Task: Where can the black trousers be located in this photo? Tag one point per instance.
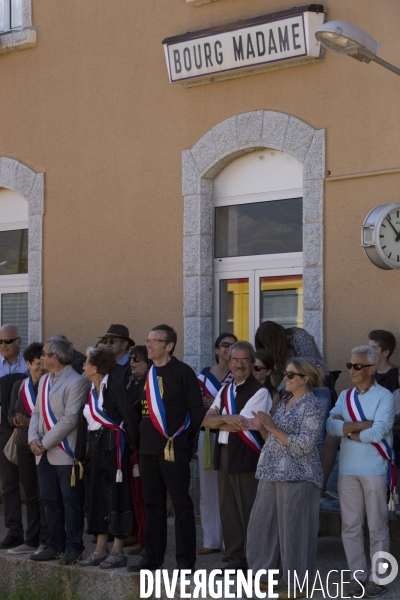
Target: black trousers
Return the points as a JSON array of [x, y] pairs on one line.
[[160, 476], [36, 530], [9, 475], [64, 506], [237, 493]]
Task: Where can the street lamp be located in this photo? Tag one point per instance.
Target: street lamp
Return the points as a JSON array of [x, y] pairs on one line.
[[346, 38]]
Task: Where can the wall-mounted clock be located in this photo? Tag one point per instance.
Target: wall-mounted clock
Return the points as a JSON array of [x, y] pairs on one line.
[[380, 236]]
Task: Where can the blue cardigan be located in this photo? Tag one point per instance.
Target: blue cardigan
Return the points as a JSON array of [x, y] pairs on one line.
[[357, 458]]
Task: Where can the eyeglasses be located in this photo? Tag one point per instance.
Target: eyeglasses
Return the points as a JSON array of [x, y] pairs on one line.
[[149, 342], [235, 361], [226, 344], [258, 369], [9, 341], [291, 374], [110, 341], [135, 359], [357, 366]]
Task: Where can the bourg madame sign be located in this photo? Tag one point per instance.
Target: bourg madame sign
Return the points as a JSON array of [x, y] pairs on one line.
[[263, 43]]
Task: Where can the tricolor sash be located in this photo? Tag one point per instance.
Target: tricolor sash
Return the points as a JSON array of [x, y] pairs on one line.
[[156, 408], [99, 416], [249, 437], [210, 387], [28, 395], [50, 420], [357, 414]]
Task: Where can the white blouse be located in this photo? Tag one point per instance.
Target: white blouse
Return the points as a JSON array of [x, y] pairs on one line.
[[92, 424]]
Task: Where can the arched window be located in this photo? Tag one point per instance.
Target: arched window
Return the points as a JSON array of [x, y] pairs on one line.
[[14, 261], [258, 243]]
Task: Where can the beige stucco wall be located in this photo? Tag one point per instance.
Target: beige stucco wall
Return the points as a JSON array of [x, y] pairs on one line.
[[91, 107]]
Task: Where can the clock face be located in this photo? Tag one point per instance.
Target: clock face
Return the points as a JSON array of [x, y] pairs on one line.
[[388, 237]]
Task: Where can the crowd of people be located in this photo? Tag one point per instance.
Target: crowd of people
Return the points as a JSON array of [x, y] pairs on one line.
[[104, 437]]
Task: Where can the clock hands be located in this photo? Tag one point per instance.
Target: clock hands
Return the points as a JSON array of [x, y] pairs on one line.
[[394, 229]]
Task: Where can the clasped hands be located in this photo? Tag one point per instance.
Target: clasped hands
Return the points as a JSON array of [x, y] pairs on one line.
[[238, 421], [20, 420], [37, 447]]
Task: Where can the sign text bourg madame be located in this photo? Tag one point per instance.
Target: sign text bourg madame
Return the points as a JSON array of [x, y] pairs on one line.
[[244, 46]]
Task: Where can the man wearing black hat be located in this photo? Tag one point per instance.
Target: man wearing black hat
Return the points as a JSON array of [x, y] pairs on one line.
[[118, 341]]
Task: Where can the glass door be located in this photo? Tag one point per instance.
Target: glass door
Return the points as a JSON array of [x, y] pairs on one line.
[[245, 298]]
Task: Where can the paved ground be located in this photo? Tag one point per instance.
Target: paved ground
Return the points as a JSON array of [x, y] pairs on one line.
[[330, 557]]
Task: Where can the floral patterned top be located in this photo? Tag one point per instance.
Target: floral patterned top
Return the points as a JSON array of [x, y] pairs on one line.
[[300, 460], [303, 344]]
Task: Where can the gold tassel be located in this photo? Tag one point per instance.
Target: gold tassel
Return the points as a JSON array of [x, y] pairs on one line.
[[391, 504], [119, 476], [395, 498], [169, 453], [73, 478], [81, 470]]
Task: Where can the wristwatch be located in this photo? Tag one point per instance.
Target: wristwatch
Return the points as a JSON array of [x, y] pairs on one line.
[[349, 435]]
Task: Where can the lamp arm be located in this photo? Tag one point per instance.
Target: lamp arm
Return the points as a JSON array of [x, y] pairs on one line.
[[385, 64]]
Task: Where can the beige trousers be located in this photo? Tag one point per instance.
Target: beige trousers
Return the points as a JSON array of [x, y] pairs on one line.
[[358, 494]]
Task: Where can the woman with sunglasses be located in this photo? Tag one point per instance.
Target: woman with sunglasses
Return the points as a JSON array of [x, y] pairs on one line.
[[211, 379], [140, 364], [283, 528], [262, 370]]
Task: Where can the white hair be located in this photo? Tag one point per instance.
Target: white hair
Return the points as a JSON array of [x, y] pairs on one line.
[[369, 352]]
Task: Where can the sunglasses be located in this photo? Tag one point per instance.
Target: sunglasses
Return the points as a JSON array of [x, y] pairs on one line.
[[135, 359], [258, 369], [9, 341], [109, 341], [357, 366], [226, 344], [291, 374]]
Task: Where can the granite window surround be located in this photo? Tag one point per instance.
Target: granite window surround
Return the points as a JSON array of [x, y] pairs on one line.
[[221, 145], [23, 38], [199, 2], [17, 177]]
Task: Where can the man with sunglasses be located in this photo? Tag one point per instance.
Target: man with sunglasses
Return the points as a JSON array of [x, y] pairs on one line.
[[118, 341], [11, 359], [363, 417], [12, 368]]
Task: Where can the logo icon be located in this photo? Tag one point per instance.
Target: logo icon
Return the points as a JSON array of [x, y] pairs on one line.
[[384, 568]]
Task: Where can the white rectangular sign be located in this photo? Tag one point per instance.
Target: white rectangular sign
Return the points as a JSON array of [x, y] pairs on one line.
[[247, 48]]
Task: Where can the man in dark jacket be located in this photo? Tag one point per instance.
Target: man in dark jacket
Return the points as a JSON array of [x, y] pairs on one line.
[[172, 412], [237, 451]]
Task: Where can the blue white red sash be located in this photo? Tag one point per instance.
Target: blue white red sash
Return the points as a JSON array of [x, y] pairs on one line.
[[249, 437], [156, 408], [210, 387], [100, 417], [357, 414], [49, 417], [28, 396]]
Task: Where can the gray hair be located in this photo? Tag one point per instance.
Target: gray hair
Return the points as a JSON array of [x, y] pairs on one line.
[[242, 345], [369, 352], [63, 349], [10, 326]]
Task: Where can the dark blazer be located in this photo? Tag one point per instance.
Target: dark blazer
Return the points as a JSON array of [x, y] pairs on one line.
[[6, 385], [117, 406]]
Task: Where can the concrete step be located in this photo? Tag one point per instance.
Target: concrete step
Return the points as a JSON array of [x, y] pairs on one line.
[[74, 582]]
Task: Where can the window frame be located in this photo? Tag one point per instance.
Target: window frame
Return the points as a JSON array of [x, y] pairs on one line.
[[21, 37]]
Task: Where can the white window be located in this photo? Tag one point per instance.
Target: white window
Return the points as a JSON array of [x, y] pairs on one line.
[[10, 15], [258, 243], [14, 261]]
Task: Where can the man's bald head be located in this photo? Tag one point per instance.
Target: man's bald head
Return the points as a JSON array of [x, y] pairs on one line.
[[10, 351]]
